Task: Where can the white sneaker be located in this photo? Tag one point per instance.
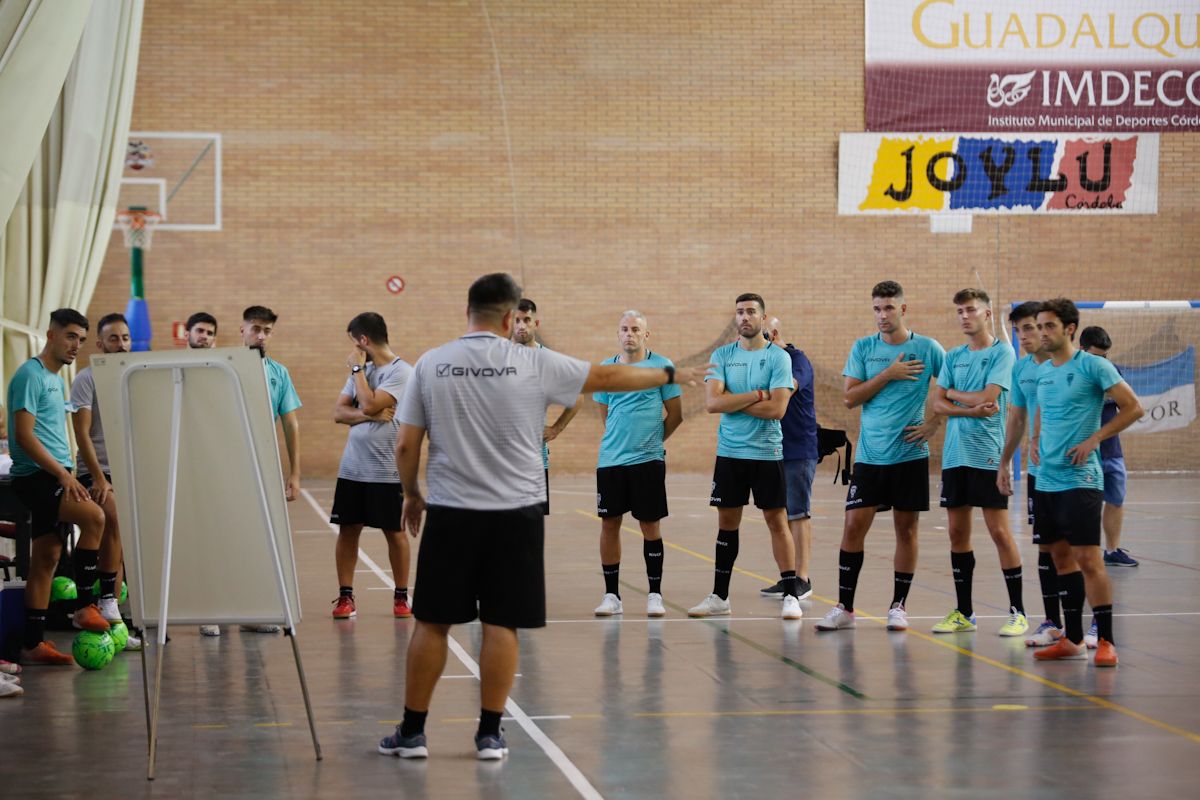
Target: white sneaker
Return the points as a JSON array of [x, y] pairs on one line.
[[6, 678], [133, 644], [210, 630], [654, 605], [108, 609], [791, 608], [838, 619], [11, 689], [711, 606], [611, 604], [897, 618], [1047, 634], [261, 628], [1092, 637]]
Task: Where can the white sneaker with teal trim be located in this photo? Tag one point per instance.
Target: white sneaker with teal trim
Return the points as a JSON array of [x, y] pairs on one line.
[[711, 606]]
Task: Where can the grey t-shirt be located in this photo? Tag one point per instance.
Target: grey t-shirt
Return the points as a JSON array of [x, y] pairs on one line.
[[483, 401], [83, 395], [370, 454]]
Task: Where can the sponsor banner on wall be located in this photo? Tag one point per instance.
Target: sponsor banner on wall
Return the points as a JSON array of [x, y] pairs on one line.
[[1036, 173], [1166, 390], [1033, 65]]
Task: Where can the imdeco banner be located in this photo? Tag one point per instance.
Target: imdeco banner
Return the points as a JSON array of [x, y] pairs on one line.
[[1022, 65], [1038, 173]]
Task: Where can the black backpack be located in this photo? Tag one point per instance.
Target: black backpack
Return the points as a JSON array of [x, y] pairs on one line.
[[828, 442]]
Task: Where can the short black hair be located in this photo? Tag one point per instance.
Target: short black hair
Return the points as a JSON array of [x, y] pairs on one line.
[[887, 289], [63, 317], [748, 297], [1095, 336], [370, 325], [1064, 309], [202, 316], [527, 305], [109, 319], [964, 295], [261, 313], [1027, 309], [494, 294]]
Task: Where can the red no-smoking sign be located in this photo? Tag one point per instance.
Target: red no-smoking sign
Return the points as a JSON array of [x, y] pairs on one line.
[[395, 284]]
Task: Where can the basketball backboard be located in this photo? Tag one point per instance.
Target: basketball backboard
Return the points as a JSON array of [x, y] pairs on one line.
[[178, 175]]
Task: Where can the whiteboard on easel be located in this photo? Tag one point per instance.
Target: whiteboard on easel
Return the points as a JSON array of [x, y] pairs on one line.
[[224, 568]]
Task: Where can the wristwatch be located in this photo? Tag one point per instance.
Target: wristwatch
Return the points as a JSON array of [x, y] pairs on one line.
[[357, 368], [670, 374]]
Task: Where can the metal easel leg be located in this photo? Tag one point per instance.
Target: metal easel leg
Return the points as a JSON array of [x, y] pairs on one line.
[[312, 723]]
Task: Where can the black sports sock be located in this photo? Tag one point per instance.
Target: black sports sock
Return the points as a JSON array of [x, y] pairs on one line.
[[108, 585], [612, 573], [653, 551], [1048, 578], [901, 583], [1012, 582], [346, 591], [86, 573], [963, 567], [849, 565], [1103, 615], [400, 593], [489, 722], [413, 722], [1071, 593], [727, 552], [791, 583], [35, 627]]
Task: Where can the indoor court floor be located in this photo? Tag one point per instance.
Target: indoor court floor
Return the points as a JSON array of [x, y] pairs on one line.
[[747, 706]]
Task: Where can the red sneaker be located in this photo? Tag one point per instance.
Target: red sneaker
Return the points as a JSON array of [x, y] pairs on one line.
[[343, 607], [9, 668], [46, 654], [1106, 654], [1061, 650], [89, 618], [401, 609]]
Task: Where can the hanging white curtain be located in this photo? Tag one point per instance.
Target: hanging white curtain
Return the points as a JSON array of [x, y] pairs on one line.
[[53, 246]]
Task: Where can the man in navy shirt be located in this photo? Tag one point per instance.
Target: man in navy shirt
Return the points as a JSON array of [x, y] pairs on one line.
[[799, 461]]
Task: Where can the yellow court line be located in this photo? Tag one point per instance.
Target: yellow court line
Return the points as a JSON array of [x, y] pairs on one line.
[[572, 716], [209, 727], [272, 724], [835, 712], [1067, 690]]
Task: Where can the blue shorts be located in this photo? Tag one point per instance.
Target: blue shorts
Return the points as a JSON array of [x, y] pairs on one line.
[[1114, 481], [799, 473]]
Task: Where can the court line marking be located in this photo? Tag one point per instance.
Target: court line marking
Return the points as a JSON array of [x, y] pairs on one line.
[[565, 765], [1100, 701], [618, 618]]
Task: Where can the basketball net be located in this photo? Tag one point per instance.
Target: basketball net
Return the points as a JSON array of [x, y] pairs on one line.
[[137, 226]]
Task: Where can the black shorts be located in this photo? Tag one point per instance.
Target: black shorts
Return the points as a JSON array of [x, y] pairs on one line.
[[376, 505], [735, 478], [86, 479], [1074, 515], [546, 502], [1030, 491], [42, 494], [485, 564], [971, 487], [903, 486], [638, 488]]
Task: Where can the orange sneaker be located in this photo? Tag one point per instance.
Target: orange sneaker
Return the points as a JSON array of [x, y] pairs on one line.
[[1061, 650], [401, 609], [89, 618], [46, 654], [1106, 654], [343, 607]]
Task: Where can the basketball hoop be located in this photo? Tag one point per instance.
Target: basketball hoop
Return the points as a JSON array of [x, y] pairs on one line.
[[137, 225]]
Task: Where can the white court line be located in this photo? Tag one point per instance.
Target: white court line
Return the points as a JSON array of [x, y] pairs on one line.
[[643, 620], [552, 750]]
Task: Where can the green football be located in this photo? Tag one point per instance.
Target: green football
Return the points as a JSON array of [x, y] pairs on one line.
[[93, 650], [119, 634], [63, 588], [124, 591]]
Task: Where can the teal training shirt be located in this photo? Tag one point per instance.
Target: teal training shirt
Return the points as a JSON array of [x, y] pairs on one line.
[[279, 383], [1070, 398], [1024, 386], [977, 441], [39, 391], [897, 405], [739, 434], [633, 430]]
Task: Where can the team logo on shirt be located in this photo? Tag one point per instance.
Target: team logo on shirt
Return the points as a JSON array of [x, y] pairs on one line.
[[762, 362], [985, 363], [1070, 378], [452, 371]]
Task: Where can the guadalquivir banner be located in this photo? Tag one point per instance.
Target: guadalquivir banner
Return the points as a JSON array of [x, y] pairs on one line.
[[1033, 65], [1036, 173]]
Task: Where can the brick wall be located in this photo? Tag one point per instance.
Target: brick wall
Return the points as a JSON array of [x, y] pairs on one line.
[[665, 156]]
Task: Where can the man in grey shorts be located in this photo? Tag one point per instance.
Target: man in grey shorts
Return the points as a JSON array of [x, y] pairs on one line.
[[482, 400]]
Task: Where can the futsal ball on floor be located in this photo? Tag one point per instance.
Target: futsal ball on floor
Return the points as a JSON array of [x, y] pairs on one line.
[[63, 588], [119, 634], [93, 650], [124, 591]]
